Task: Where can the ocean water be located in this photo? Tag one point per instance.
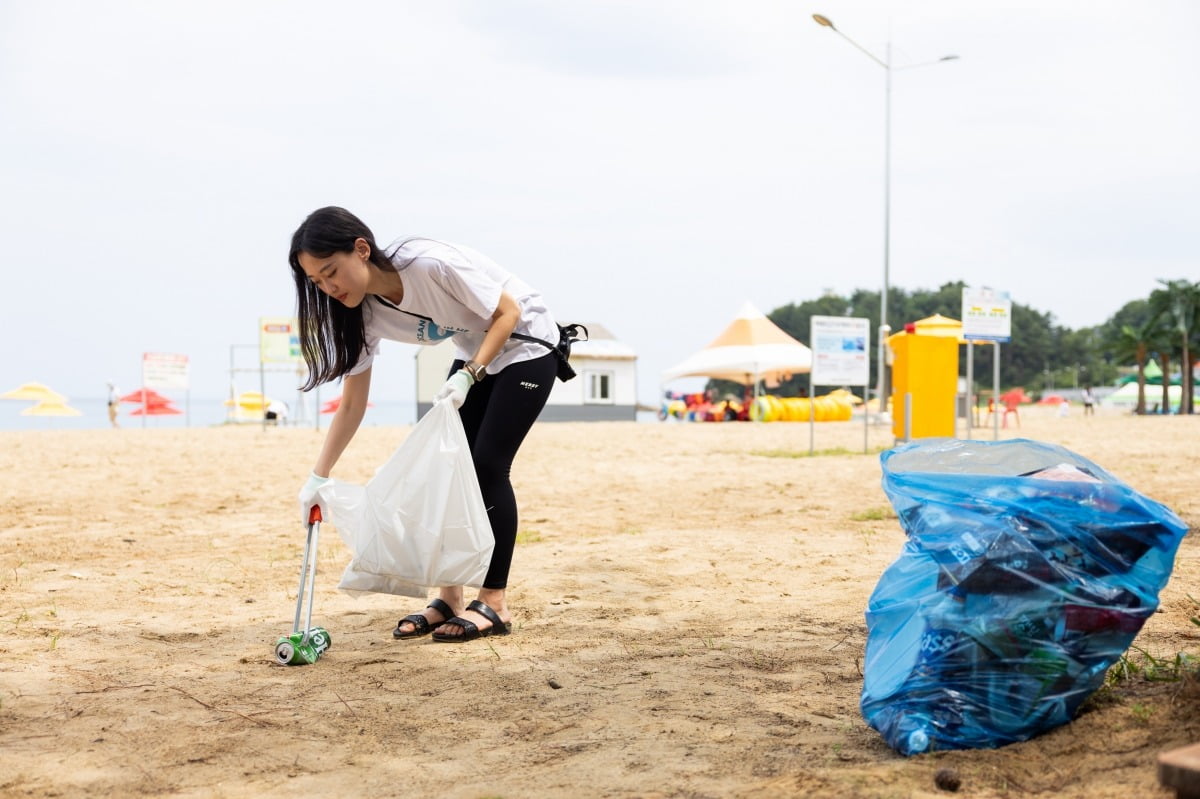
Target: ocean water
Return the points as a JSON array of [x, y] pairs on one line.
[[196, 413]]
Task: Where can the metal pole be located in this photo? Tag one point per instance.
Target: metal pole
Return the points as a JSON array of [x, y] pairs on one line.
[[262, 391], [908, 436], [232, 387], [144, 403], [884, 329], [954, 409], [996, 391], [970, 388], [811, 415], [887, 187], [882, 388], [866, 424]]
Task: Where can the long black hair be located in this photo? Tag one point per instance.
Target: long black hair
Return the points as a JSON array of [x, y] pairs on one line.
[[331, 335]]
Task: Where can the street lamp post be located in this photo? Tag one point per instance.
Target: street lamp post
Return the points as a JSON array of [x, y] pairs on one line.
[[886, 63]]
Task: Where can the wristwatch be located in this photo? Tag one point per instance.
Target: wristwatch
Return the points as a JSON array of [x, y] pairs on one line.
[[477, 371]]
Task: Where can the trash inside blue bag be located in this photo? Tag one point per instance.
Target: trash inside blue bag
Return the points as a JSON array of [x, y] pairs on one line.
[[1027, 572]]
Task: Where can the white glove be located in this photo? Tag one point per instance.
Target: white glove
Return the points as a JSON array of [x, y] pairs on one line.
[[455, 389], [308, 497]]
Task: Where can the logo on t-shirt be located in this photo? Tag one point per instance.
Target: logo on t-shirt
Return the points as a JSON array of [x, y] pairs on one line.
[[428, 330]]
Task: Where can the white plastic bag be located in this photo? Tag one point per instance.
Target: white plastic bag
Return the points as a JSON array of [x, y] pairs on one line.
[[419, 523]]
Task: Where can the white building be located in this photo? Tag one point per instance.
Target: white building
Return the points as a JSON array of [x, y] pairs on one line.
[[604, 387]]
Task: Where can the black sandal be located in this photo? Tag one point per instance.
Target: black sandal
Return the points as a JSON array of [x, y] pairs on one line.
[[422, 625], [470, 631]]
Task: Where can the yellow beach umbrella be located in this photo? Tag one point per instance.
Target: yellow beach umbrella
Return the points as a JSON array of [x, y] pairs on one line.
[[249, 401], [33, 391], [51, 407], [938, 325]]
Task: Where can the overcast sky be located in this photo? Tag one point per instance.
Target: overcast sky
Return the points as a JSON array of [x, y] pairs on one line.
[[648, 164]]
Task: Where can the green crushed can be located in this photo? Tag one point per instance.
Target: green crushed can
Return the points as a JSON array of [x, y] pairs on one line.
[[302, 649]]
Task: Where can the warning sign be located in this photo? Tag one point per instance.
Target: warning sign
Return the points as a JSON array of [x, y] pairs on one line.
[[164, 370], [278, 340], [986, 315]]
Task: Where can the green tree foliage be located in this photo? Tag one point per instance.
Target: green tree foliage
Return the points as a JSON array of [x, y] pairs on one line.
[[1134, 343], [1177, 304], [1042, 355], [1135, 314]]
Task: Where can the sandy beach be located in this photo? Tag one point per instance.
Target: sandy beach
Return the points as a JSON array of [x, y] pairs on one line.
[[688, 609]]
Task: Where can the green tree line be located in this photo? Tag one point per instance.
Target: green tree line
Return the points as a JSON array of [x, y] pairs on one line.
[[1042, 356]]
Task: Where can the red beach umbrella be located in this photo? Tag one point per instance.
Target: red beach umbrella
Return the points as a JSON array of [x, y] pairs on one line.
[[144, 396], [332, 405], [156, 409]]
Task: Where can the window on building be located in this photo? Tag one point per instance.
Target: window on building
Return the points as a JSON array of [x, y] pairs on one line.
[[599, 388]]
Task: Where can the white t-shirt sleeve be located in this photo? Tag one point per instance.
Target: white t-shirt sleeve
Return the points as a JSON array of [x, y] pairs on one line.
[[370, 345], [467, 283], [452, 292]]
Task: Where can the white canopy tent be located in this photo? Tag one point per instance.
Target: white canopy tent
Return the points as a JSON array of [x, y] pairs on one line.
[[1125, 397], [750, 349]]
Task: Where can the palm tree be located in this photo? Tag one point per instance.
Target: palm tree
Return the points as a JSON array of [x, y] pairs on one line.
[[1162, 343], [1135, 342], [1178, 303]]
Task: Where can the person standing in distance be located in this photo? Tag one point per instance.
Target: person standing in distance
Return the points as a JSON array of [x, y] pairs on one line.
[[114, 403], [351, 294], [1089, 401]]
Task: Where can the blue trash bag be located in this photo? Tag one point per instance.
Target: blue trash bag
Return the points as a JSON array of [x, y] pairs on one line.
[[1027, 572]]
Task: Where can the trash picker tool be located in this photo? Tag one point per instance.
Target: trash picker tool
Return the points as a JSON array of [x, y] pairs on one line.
[[305, 644]]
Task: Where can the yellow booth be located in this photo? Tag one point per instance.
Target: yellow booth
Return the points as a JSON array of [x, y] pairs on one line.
[[925, 374]]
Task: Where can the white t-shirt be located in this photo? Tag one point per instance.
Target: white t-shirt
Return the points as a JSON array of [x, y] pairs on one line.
[[452, 291]]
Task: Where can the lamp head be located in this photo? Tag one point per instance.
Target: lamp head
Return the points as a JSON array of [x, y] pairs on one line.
[[825, 21]]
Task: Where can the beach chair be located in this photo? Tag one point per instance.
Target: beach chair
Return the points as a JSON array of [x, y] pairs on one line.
[[1010, 407], [1011, 403]]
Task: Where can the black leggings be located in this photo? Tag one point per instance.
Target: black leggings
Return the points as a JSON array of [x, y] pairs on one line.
[[498, 412]]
